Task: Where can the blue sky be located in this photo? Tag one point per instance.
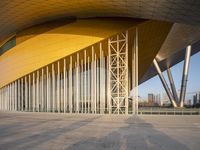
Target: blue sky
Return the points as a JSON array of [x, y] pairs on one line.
[[154, 85]]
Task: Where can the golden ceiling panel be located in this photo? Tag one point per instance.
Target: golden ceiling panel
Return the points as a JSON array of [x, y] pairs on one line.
[[45, 48]]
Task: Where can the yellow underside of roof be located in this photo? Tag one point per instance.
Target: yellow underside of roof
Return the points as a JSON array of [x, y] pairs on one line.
[[55, 44]]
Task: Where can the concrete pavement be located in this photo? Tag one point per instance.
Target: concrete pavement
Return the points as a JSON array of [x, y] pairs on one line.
[[48, 131]]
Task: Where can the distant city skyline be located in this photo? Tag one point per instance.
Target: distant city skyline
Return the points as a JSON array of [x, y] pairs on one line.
[[154, 85]]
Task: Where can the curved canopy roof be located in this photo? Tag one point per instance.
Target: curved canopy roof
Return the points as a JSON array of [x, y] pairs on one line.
[[16, 15]]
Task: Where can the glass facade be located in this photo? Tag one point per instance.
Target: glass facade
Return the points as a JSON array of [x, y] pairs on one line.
[[8, 45]]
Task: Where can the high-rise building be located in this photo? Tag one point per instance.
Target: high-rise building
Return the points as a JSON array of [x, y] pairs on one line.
[[157, 100], [151, 98], [165, 100], [196, 98]]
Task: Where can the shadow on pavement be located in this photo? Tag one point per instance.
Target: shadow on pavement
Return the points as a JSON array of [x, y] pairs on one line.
[[32, 141], [138, 135]]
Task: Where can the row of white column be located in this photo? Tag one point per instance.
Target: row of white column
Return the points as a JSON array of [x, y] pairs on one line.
[[87, 82], [78, 87]]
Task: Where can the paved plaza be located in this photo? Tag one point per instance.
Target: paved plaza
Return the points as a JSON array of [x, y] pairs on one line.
[[38, 131]]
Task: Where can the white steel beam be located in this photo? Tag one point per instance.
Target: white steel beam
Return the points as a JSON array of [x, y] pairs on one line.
[[118, 73], [171, 98], [185, 75]]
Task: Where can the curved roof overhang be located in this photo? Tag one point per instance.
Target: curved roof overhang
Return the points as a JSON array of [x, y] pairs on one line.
[[17, 15]]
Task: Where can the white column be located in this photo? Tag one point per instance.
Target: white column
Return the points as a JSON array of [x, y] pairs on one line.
[[10, 96], [26, 94], [29, 92], [42, 91], [15, 95], [102, 81], [9, 103], [81, 73], [58, 87], [37, 91], [50, 92], [6, 97], [22, 94], [18, 97], [66, 93], [70, 85], [47, 88], [88, 84], [126, 86], [77, 85], [92, 81], [61, 92], [85, 84], [64, 74], [108, 82], [95, 84], [33, 92], [53, 87]]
